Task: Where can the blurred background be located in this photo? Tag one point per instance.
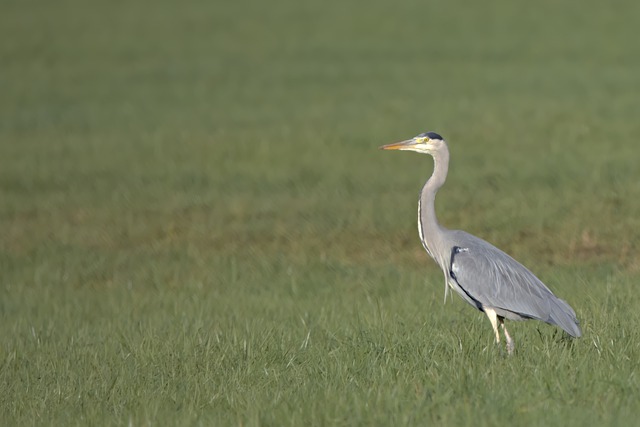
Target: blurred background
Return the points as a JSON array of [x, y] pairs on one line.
[[173, 167]]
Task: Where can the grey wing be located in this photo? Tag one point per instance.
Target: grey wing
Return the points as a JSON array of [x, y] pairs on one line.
[[494, 279]]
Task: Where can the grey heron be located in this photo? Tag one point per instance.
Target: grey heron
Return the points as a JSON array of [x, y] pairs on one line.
[[483, 275]]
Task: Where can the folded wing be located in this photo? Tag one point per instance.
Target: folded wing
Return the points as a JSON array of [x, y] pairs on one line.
[[494, 279]]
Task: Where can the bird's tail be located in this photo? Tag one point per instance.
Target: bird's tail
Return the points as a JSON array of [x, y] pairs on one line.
[[563, 315]]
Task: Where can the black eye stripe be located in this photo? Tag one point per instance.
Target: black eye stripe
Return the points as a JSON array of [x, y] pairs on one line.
[[430, 135]]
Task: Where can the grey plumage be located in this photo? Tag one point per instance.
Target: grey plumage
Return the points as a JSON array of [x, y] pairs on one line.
[[480, 273], [496, 280]]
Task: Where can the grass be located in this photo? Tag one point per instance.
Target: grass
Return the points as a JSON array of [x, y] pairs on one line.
[[196, 227]]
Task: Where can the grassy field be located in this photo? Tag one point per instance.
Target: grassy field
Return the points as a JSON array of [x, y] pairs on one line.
[[197, 228]]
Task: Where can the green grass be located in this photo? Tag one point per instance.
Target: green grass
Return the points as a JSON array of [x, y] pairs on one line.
[[197, 228]]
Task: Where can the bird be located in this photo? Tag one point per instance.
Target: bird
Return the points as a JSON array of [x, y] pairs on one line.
[[483, 275]]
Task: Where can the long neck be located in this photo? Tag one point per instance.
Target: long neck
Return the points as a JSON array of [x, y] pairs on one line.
[[431, 231]]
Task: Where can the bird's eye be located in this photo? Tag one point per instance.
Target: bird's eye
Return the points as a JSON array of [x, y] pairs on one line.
[[422, 138]]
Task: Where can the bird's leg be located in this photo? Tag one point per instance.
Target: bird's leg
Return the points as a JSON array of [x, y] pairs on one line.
[[493, 318], [511, 345]]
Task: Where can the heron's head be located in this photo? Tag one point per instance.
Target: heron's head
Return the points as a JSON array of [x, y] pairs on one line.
[[427, 142]]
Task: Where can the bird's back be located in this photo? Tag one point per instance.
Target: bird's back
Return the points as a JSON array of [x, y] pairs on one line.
[[490, 278]]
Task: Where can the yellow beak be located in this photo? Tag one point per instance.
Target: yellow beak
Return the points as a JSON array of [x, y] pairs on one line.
[[399, 145]]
